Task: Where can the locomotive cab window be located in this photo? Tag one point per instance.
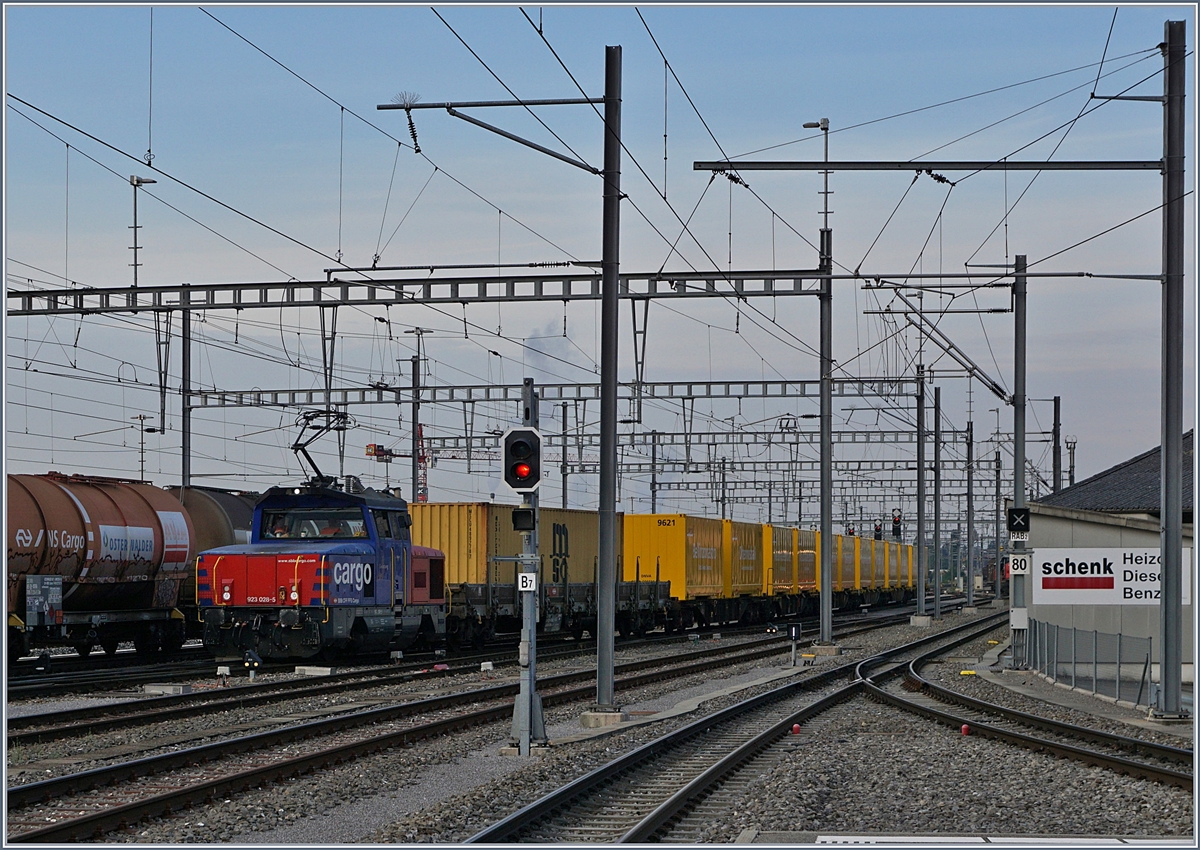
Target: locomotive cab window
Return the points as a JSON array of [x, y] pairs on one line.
[[321, 523], [400, 524], [383, 526]]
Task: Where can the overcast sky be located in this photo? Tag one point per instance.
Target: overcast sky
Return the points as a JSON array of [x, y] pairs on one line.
[[271, 111]]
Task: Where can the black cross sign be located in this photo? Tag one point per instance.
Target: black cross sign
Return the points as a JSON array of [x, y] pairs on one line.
[[1018, 519]]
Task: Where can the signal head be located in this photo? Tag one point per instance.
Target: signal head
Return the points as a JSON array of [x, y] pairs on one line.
[[523, 459]]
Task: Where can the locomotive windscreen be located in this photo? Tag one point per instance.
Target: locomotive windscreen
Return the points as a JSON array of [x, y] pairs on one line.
[[297, 523]]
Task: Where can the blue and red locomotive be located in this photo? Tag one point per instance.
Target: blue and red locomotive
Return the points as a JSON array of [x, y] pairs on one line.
[[325, 570]]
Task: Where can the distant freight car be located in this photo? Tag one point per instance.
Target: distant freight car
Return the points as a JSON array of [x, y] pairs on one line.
[[724, 571], [480, 545]]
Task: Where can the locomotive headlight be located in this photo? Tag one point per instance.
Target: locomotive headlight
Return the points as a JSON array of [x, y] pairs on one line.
[[225, 595], [294, 594]]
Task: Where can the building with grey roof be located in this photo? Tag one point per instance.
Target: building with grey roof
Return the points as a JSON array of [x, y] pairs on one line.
[[1082, 624]]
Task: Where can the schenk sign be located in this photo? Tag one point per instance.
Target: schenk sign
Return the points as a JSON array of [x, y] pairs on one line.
[[1102, 576]]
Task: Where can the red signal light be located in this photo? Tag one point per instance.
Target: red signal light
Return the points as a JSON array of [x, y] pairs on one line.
[[521, 471]]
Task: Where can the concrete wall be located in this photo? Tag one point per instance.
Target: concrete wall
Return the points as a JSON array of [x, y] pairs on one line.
[[1052, 527]]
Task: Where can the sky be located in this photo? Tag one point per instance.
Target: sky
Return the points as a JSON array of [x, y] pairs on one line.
[[271, 160]]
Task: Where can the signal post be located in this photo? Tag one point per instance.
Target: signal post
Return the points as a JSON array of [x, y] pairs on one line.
[[523, 473]]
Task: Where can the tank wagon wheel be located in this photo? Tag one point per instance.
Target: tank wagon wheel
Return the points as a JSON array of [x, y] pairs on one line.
[[109, 645], [145, 642], [83, 648]]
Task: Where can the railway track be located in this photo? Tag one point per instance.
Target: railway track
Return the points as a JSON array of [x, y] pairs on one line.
[[56, 725], [42, 728], [30, 678], [668, 790], [82, 805], [1131, 756]]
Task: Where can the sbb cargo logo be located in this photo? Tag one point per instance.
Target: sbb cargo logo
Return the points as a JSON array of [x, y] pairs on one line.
[[1102, 577]]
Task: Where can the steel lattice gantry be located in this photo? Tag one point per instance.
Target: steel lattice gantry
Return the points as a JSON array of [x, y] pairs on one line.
[[389, 291], [319, 397]]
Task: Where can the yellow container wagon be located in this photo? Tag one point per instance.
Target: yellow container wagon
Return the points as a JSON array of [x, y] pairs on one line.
[[482, 589]]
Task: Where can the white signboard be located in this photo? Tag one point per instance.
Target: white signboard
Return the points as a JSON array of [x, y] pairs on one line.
[[1102, 576], [1018, 537], [527, 582], [1018, 563]]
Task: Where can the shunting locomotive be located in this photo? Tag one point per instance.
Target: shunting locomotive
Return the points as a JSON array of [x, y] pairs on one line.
[[326, 571]]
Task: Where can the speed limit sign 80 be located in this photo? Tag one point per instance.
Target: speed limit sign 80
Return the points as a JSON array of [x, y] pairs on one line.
[[1018, 563]]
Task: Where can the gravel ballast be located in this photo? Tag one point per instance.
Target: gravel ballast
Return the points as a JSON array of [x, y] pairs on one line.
[[913, 777]]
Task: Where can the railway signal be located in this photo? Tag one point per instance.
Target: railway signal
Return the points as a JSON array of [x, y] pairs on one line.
[[896, 516], [523, 459], [879, 531]]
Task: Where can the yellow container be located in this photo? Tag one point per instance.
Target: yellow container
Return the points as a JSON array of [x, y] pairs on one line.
[[869, 565], [783, 544], [743, 547], [472, 533], [681, 549], [806, 560]]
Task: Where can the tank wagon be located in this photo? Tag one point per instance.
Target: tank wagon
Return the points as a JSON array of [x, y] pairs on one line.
[[325, 571], [722, 571], [94, 561], [481, 595]]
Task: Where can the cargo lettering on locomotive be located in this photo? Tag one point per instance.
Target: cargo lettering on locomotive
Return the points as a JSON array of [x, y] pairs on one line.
[[359, 576]]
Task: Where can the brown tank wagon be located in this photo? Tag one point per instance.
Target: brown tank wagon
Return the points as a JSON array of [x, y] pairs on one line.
[[94, 561]]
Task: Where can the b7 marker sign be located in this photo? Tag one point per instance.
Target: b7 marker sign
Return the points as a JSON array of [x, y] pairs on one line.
[[1102, 577]]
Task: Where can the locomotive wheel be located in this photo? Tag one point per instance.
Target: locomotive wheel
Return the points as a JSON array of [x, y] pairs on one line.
[[145, 643], [84, 648]]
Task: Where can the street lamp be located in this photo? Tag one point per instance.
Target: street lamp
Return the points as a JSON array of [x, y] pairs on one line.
[[826, 306], [823, 125], [142, 432], [135, 182], [416, 413]]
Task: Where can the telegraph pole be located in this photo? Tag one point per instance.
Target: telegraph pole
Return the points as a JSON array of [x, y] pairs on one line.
[[606, 569], [970, 514], [1056, 437], [653, 472], [999, 520], [1019, 610], [563, 468], [1171, 606], [937, 503], [922, 577], [826, 310]]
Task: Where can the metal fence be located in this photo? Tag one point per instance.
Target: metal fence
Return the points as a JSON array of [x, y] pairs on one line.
[[1117, 666]]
